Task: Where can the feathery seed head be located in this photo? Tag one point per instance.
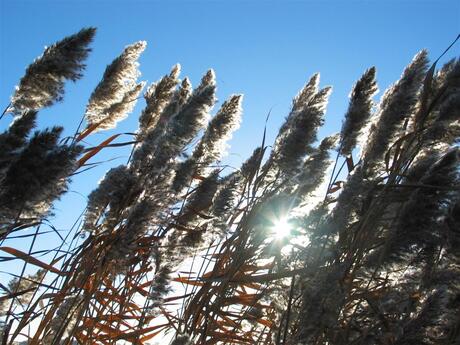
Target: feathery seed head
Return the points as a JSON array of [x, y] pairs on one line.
[[419, 218], [220, 128], [111, 191], [180, 97], [13, 140], [306, 93], [186, 85], [315, 167], [183, 339], [295, 139], [38, 175], [175, 71], [25, 283], [119, 80], [158, 96], [298, 103], [209, 78], [397, 104], [359, 110], [180, 129], [120, 110], [329, 142], [43, 83], [224, 201], [212, 145], [249, 167], [159, 289]]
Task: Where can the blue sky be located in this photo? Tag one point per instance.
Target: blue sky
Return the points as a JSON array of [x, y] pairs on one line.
[[263, 49]]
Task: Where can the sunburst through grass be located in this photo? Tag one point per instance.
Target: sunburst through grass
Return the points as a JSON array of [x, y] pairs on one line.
[[256, 257]]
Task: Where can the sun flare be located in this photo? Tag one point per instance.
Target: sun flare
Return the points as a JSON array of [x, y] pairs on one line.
[[281, 227]]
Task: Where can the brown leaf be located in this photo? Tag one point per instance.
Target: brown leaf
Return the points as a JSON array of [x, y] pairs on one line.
[[31, 260]]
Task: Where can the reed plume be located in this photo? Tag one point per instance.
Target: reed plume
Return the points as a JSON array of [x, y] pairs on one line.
[[43, 83], [117, 85]]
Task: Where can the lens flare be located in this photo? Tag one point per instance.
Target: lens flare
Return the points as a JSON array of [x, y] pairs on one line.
[[281, 227]]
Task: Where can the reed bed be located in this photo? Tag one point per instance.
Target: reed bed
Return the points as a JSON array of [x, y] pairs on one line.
[[352, 239]]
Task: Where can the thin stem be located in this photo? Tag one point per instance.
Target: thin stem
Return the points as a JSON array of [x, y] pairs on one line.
[[5, 111]]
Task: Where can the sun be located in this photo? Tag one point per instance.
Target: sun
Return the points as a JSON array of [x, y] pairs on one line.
[[281, 227]]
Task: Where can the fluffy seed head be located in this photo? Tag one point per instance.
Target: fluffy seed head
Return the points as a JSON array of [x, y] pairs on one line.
[[212, 145], [118, 82], [359, 110], [397, 105], [157, 97], [43, 83]]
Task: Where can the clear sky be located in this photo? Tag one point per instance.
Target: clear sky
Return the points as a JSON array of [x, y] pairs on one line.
[[264, 49]]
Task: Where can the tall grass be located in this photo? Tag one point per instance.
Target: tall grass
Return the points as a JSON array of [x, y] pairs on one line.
[[277, 252]]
